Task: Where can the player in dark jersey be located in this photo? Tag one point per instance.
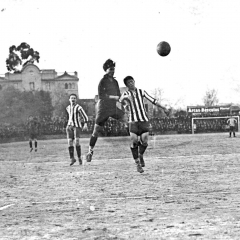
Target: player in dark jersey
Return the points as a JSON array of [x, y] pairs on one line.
[[232, 122], [138, 119], [33, 127], [108, 93], [73, 129]]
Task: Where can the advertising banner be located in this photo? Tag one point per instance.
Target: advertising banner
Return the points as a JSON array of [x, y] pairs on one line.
[[213, 110]]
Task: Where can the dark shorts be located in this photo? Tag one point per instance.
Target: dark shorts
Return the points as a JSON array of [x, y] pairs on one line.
[[232, 128], [73, 132], [103, 113], [138, 127]]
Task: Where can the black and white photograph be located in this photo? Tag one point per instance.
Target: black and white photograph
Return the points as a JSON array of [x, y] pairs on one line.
[[119, 119]]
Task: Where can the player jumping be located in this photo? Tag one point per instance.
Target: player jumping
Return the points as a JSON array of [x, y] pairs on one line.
[[138, 119], [108, 93]]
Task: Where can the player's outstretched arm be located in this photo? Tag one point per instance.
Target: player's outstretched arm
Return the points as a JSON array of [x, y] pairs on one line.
[[166, 111]]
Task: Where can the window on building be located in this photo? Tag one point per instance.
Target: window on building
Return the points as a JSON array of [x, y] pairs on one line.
[[70, 86], [73, 85], [32, 86], [66, 86]]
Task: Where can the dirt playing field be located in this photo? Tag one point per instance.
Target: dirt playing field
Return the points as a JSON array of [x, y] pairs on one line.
[[190, 190]]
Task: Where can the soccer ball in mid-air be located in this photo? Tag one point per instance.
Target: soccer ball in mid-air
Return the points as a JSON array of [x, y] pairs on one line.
[[163, 48]]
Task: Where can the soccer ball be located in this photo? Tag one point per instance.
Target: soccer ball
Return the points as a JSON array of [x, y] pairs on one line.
[[163, 48]]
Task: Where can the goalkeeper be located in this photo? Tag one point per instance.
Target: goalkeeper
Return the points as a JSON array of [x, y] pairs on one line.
[[109, 93]]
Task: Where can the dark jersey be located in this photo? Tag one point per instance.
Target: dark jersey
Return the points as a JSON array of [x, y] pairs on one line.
[[107, 87], [33, 126]]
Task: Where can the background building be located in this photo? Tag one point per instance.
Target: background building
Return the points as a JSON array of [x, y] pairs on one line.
[[32, 78]]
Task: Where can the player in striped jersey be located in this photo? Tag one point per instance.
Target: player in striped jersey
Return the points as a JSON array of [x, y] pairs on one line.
[[133, 99], [73, 129]]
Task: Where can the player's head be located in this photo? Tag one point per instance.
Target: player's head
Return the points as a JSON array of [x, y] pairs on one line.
[[30, 117], [129, 82], [109, 67], [73, 98]]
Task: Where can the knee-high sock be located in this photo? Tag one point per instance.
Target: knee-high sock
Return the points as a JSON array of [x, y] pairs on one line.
[[142, 148], [35, 144], [78, 149], [71, 151], [93, 141], [30, 143], [134, 152]]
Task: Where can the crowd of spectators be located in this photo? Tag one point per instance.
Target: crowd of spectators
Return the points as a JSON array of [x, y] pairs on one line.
[[175, 124], [56, 126], [211, 125]]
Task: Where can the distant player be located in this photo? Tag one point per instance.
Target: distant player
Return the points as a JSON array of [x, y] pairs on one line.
[[232, 122], [73, 129], [33, 127], [108, 93], [138, 119]]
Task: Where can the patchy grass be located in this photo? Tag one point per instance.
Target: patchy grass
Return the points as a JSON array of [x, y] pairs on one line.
[[190, 189]]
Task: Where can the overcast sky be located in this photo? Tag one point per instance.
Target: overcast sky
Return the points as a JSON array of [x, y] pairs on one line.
[[79, 35]]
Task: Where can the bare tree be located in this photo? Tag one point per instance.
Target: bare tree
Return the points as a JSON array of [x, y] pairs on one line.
[[158, 93], [210, 98]]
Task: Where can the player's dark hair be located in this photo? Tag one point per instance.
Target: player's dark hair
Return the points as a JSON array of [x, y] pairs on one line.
[[126, 79], [109, 63], [73, 94]]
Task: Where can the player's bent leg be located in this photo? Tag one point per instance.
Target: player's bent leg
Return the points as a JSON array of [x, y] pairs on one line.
[[93, 141], [134, 150], [143, 144]]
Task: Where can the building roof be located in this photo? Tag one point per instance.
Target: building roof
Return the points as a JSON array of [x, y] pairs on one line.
[[66, 75], [29, 65]]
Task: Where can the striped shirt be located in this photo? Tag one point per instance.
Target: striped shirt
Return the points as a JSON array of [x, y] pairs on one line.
[[135, 103], [74, 115]]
